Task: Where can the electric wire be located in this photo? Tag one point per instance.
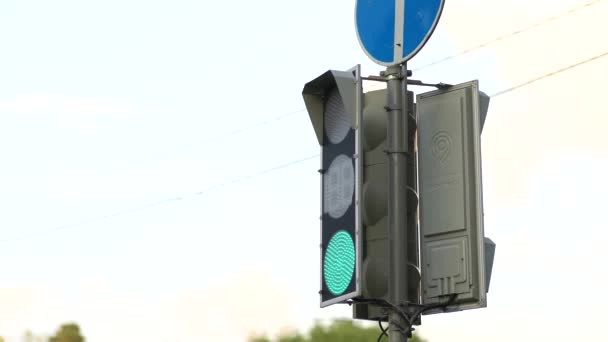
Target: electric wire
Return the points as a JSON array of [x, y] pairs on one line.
[[383, 331], [510, 34], [157, 203], [252, 126], [260, 173], [257, 174], [410, 319], [436, 62], [505, 36], [572, 66], [439, 61]]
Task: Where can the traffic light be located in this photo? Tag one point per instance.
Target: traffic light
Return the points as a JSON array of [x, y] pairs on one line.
[[331, 100], [375, 269], [456, 258]]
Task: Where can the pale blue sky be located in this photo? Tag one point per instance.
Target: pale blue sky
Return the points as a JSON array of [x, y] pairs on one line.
[[110, 106]]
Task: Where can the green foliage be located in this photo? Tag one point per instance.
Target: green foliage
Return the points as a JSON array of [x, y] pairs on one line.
[[292, 338], [259, 339], [344, 330], [416, 338], [1, 339], [28, 336], [68, 333]]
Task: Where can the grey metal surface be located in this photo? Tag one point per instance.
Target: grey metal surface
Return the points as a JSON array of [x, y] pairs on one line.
[[346, 85], [315, 90], [397, 138], [359, 173], [399, 23], [451, 206], [413, 243], [374, 198], [490, 248]]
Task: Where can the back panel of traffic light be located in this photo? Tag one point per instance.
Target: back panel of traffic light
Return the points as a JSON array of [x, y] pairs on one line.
[[451, 208]]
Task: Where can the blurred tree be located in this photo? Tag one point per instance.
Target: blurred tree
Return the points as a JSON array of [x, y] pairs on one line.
[[344, 330], [1, 339], [28, 336], [295, 337], [68, 333], [254, 339]]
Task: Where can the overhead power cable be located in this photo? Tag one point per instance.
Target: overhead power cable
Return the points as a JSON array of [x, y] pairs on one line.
[[510, 34], [439, 61], [550, 74], [505, 36], [158, 203], [266, 171], [253, 126]]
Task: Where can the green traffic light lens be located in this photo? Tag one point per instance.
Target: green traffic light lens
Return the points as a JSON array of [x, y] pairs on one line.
[[339, 263]]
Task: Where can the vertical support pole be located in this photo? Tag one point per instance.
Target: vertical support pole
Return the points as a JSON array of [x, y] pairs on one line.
[[413, 248], [358, 174], [397, 151]]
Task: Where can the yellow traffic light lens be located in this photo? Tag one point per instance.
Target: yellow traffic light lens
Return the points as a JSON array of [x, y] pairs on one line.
[[338, 186], [336, 120]]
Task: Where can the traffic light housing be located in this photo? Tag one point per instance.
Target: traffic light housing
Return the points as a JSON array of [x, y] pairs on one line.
[[331, 101], [455, 264], [449, 260], [375, 269]]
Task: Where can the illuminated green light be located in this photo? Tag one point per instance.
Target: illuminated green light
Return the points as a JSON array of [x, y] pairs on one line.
[[339, 262]]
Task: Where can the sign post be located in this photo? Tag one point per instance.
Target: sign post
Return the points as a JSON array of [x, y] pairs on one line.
[[397, 151], [390, 33]]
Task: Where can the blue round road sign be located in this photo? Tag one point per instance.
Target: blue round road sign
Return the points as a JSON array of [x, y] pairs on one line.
[[393, 31]]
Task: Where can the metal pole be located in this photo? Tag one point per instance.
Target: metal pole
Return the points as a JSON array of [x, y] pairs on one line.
[[397, 145]]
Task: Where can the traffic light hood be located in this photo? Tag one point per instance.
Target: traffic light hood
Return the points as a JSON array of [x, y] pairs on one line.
[[316, 91], [484, 104]]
